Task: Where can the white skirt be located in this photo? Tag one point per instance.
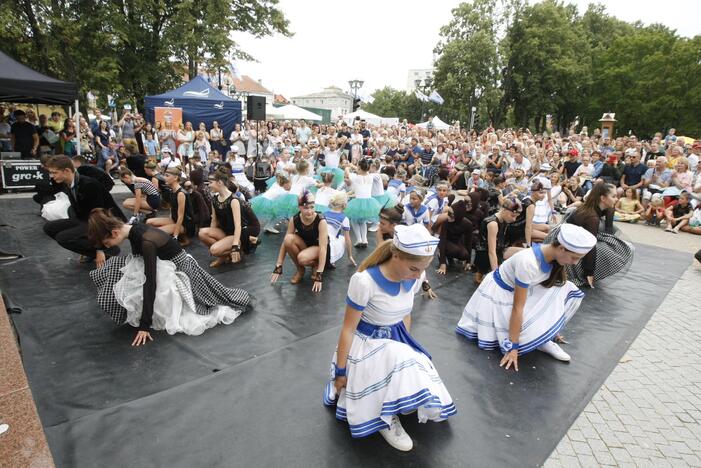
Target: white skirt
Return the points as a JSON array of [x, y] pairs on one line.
[[486, 316], [174, 308], [385, 378], [242, 181], [57, 208], [337, 247]]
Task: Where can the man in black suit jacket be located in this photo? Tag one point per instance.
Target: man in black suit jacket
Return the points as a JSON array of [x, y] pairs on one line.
[[85, 169], [85, 194]]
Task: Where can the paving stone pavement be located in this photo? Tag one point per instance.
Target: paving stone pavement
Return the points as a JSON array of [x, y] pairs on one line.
[[648, 412]]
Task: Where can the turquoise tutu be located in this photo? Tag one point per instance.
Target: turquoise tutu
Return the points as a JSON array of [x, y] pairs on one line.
[[286, 206], [363, 210], [338, 175], [264, 208], [270, 182], [386, 200], [320, 208]]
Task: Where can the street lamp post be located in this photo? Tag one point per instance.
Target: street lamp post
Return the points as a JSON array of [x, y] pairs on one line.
[[355, 86], [472, 117]]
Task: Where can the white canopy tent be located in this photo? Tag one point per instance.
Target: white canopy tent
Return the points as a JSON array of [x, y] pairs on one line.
[[272, 112], [436, 123], [372, 119], [292, 112]]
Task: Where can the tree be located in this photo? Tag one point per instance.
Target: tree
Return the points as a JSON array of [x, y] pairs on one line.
[[468, 69], [127, 47], [389, 102]]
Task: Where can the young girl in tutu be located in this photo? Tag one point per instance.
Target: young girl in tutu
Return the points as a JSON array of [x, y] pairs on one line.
[[306, 243], [363, 208], [525, 302], [159, 286], [339, 229], [324, 193], [332, 160], [238, 167], [264, 204], [383, 197], [379, 370]]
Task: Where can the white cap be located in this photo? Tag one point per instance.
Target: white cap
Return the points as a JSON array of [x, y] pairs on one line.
[[166, 149], [546, 167], [234, 149], [576, 239], [415, 240], [476, 171]]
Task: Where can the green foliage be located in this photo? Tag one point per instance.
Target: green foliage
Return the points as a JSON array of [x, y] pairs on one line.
[[131, 48], [389, 102], [517, 63]]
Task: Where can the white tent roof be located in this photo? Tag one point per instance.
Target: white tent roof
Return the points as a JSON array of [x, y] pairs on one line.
[[370, 118], [292, 112], [436, 123]]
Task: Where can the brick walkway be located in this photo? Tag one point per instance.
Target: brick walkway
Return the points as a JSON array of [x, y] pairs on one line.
[[648, 412]]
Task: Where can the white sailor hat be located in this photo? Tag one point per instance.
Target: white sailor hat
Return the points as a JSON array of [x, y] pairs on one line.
[[415, 240], [234, 149], [576, 239]]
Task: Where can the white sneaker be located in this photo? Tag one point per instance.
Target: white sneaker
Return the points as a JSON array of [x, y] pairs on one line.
[[396, 436], [555, 351], [272, 230], [372, 227]]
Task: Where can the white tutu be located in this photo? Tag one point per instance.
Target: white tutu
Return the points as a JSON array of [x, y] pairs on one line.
[[486, 316], [385, 378], [242, 181], [174, 307], [56, 209]]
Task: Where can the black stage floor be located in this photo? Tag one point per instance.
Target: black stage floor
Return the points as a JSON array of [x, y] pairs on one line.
[[250, 394]]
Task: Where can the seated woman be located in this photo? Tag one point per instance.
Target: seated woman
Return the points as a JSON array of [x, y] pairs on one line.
[[523, 304], [306, 242], [375, 350], [491, 250], [679, 214], [694, 226], [144, 289], [338, 228], [180, 224], [524, 232], [455, 235], [147, 198], [628, 207], [234, 228]]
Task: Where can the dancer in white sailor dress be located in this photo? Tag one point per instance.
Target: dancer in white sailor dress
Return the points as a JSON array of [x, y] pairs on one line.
[[415, 212], [338, 228], [238, 166], [525, 302], [379, 371]]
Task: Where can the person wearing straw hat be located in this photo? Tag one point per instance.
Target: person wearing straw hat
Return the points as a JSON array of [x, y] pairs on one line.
[[525, 302], [379, 370]]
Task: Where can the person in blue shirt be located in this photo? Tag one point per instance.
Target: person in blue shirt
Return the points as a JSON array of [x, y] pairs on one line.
[[597, 162]]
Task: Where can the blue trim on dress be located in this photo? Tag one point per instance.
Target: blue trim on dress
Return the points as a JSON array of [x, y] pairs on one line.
[[396, 332], [544, 265], [500, 282], [390, 287], [350, 302], [521, 284]]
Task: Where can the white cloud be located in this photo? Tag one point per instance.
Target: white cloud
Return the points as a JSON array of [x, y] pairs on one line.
[[378, 41]]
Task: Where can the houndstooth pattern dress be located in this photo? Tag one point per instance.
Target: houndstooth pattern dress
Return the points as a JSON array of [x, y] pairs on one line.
[[613, 255], [205, 291]]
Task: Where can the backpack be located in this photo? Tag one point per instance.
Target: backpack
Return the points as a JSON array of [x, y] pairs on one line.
[[263, 170]]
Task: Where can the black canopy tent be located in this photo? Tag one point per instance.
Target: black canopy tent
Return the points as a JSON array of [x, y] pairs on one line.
[[21, 84]]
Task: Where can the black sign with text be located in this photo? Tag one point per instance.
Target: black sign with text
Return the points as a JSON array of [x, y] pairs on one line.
[[21, 174]]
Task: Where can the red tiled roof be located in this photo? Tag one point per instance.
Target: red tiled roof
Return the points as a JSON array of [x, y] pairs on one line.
[[249, 85]]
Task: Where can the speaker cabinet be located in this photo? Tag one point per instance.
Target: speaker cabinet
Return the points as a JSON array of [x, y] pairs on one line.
[[255, 108]]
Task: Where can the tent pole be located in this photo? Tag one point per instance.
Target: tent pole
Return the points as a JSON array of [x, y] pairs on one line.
[[77, 125]]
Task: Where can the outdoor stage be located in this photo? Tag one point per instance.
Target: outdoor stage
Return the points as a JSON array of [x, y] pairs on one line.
[[250, 394]]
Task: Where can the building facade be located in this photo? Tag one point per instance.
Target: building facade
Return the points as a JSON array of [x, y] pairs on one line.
[[332, 98], [417, 74]]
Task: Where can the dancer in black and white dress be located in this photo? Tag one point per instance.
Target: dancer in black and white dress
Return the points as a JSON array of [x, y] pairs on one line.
[[147, 198], [159, 286]]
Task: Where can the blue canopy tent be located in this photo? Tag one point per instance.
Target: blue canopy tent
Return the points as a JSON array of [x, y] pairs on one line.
[[200, 102]]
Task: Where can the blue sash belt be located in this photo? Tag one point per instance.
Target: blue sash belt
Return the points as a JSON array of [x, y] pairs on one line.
[[498, 280], [396, 332]]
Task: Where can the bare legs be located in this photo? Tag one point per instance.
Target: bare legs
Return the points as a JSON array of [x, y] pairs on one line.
[[301, 255]]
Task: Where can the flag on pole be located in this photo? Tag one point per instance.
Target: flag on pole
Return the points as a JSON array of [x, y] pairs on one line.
[[367, 98], [234, 70], [435, 97], [421, 96]]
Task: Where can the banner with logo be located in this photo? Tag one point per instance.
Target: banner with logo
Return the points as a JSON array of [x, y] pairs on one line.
[[21, 174], [170, 115]]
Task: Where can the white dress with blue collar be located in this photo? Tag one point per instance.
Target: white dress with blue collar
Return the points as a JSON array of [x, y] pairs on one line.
[[486, 316], [388, 372]]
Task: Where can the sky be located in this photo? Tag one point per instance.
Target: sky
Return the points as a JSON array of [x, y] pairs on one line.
[[390, 37]]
